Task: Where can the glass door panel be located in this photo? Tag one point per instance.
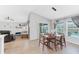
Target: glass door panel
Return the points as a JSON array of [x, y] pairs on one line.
[[43, 28], [60, 27], [73, 30]]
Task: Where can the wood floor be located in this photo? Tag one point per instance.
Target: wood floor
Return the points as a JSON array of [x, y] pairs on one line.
[[25, 46]]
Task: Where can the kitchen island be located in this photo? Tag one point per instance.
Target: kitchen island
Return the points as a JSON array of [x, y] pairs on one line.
[[2, 43]]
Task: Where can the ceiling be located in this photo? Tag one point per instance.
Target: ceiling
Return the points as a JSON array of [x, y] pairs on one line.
[[20, 12]]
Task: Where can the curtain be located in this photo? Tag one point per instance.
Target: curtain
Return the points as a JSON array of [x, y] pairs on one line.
[[76, 20], [55, 22], [54, 25]]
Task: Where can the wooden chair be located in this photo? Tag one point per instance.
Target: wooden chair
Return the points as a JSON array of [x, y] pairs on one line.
[[61, 41], [44, 42], [53, 41]]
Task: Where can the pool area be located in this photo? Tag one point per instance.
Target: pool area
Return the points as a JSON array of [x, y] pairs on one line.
[[74, 38], [75, 35]]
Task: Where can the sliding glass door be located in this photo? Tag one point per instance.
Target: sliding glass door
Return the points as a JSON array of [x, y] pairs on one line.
[[73, 30], [68, 27], [43, 28], [60, 27]]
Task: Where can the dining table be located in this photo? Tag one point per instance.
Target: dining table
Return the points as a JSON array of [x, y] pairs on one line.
[[50, 39]]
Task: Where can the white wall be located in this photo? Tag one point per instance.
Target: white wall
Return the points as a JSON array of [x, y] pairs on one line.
[[34, 25]]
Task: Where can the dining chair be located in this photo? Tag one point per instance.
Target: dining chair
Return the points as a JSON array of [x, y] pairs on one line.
[[45, 41], [53, 41], [61, 41]]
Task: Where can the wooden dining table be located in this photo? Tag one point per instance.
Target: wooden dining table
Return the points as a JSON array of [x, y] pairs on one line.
[[50, 39]]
